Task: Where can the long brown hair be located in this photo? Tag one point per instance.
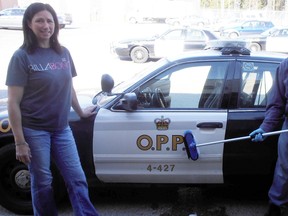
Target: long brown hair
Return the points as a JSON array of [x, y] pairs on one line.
[[29, 36]]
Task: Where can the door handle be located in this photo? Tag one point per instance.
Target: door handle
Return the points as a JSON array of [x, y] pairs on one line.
[[210, 125]]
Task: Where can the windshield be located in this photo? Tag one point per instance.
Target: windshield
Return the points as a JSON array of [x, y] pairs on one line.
[[269, 31], [138, 76]]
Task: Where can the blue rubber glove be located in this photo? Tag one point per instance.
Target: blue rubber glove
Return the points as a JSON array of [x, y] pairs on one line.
[[257, 136]]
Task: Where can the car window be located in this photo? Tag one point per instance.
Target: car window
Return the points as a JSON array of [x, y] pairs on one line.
[[194, 34], [7, 13], [248, 24], [257, 80], [18, 12], [192, 86], [282, 33], [173, 35]]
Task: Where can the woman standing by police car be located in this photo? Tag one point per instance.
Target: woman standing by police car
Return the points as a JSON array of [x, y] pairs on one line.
[[40, 95]]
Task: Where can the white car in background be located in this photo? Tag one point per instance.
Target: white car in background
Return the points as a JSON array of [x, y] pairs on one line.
[[11, 18], [278, 41]]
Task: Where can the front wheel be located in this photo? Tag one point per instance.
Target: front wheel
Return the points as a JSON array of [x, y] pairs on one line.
[[15, 183], [255, 47], [139, 54], [233, 35]]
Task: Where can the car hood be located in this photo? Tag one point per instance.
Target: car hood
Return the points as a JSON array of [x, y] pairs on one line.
[[134, 40]]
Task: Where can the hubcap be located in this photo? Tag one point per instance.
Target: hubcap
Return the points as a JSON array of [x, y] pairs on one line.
[[22, 179]]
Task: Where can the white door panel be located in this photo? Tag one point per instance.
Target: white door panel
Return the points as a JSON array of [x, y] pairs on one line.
[[163, 48], [128, 147]]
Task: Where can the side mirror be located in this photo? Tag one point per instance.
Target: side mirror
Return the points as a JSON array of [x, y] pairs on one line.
[[107, 83], [129, 102]]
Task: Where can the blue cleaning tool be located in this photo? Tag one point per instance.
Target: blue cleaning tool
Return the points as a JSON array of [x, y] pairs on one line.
[[190, 145], [192, 148]]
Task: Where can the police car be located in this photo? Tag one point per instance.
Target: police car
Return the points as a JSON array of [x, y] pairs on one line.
[[137, 134]]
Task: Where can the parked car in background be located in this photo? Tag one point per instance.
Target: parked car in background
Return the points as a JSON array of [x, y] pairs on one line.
[[171, 42], [278, 41], [191, 20], [219, 24], [11, 18], [67, 18], [248, 27], [258, 42]]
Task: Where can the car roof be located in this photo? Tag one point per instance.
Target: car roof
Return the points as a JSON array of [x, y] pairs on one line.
[[16, 8], [217, 54]]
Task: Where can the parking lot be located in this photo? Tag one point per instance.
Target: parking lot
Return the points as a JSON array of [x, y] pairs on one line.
[[90, 50]]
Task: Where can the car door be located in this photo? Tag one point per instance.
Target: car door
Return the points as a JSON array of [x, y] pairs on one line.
[[5, 17], [195, 39], [146, 145], [16, 18], [246, 160], [277, 42], [171, 43], [11, 18], [252, 27]]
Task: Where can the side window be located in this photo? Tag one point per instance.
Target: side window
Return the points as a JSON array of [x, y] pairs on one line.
[[173, 35], [194, 35], [257, 80], [192, 86]]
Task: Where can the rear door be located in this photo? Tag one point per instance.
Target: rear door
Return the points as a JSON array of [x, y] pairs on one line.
[[146, 145], [246, 158], [195, 39], [252, 27], [169, 44], [278, 41]]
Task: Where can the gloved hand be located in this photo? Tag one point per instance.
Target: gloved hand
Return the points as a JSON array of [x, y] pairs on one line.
[[257, 136]]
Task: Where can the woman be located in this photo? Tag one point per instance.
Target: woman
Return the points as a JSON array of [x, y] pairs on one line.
[[40, 95]]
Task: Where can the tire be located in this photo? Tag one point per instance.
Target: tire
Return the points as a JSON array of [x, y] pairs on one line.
[[233, 35], [132, 20], [15, 183], [176, 23], [139, 54], [201, 24], [255, 47]]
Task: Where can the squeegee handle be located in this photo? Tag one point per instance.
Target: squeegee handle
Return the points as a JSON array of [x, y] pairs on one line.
[[241, 138]]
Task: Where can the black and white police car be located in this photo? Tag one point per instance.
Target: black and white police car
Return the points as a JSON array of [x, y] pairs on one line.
[[137, 134]]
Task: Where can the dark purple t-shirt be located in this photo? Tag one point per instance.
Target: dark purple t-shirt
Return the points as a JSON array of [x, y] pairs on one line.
[[47, 79]]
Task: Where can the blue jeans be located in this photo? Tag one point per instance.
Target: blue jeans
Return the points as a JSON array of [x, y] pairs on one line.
[[278, 192], [60, 145]]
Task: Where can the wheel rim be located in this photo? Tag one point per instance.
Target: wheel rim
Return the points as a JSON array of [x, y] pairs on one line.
[[16, 181], [22, 179], [139, 55]]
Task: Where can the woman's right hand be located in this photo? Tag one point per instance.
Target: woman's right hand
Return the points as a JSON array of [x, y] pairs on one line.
[[23, 153]]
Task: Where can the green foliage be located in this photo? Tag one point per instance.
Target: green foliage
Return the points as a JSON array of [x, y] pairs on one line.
[[244, 4]]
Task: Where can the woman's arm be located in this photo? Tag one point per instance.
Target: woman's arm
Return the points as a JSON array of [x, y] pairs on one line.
[[83, 113], [15, 94]]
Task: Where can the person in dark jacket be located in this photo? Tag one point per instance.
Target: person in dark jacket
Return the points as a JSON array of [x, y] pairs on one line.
[[276, 112]]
